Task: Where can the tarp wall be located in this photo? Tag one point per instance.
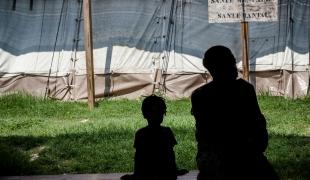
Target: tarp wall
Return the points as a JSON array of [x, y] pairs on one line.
[[141, 36]]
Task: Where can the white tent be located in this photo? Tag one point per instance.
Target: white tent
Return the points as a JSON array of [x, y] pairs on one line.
[[143, 46]]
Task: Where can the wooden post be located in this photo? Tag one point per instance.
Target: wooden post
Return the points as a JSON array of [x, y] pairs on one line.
[[155, 80], [308, 92], [88, 41], [245, 49], [292, 52]]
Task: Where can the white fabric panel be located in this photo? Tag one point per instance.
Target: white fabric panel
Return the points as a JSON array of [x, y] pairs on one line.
[[131, 60], [298, 60], [99, 56], [280, 60], [122, 59], [35, 63], [180, 63]]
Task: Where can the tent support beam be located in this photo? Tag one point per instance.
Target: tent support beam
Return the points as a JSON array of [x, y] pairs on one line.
[[245, 49], [88, 43], [308, 92]]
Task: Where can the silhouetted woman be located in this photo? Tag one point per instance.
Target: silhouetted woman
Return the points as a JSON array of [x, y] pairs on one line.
[[231, 131]]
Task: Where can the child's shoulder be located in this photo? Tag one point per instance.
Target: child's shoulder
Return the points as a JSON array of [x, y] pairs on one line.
[[142, 130], [166, 130], [152, 129], [148, 129]]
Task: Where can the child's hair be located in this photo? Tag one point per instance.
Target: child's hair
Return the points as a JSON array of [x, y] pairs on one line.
[[153, 101]]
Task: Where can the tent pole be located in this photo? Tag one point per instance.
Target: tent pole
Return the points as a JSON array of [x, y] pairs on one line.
[[155, 81], [88, 42], [292, 52], [244, 40], [308, 92], [245, 49]]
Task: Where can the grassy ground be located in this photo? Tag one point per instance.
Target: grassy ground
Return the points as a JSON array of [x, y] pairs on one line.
[[52, 137]]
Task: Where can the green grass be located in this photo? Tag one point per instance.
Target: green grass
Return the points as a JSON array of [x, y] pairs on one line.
[[52, 137]]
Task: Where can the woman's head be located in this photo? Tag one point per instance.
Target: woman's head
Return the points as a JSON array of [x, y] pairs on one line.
[[221, 63]]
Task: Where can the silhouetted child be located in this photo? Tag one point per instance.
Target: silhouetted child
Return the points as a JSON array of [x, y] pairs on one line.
[[154, 157]]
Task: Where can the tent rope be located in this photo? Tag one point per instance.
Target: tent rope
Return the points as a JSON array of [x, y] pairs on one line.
[[75, 46], [168, 44], [31, 5], [14, 5], [171, 42], [41, 32], [54, 49], [76, 39], [63, 47]]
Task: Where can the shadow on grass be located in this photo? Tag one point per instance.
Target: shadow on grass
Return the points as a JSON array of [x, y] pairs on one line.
[[96, 152], [108, 151], [290, 156]]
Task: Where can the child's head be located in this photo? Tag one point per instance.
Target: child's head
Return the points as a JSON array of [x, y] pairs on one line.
[[153, 109]]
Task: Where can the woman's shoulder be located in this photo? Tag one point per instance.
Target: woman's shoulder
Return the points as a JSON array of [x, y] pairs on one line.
[[244, 83], [202, 89]]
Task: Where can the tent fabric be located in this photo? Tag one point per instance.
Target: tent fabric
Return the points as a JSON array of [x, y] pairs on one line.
[[142, 37], [132, 86]]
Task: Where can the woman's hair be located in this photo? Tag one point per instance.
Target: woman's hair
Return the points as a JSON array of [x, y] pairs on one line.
[[220, 61]]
